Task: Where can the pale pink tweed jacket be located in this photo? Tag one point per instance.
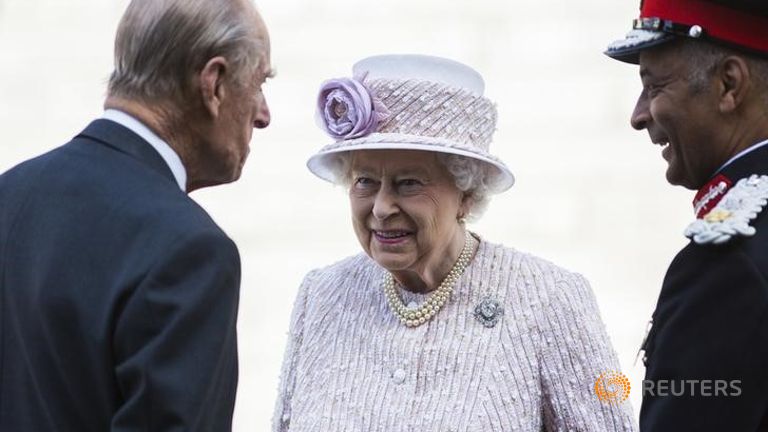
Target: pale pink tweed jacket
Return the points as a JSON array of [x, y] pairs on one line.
[[351, 366]]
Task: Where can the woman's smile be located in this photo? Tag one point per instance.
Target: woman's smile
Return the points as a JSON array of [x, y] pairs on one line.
[[392, 237]]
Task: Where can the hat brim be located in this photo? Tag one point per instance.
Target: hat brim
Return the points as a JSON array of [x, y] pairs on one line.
[[628, 49], [322, 163]]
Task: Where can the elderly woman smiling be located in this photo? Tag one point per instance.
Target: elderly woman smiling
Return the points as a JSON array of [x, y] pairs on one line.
[[433, 328]]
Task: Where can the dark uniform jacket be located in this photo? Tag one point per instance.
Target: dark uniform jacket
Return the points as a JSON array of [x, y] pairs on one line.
[[118, 294], [707, 351]]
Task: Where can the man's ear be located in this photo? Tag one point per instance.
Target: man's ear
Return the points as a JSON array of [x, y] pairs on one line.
[[212, 89], [735, 82]]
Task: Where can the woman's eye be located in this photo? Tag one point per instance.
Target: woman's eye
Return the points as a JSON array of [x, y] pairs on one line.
[[410, 182], [363, 181]]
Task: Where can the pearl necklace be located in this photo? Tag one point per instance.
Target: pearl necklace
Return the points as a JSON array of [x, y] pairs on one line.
[[430, 308]]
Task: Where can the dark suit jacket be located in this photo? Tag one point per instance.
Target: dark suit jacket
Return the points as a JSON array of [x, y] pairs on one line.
[[118, 294], [711, 323]]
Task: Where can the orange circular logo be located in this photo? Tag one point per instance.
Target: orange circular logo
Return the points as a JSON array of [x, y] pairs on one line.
[[612, 387]]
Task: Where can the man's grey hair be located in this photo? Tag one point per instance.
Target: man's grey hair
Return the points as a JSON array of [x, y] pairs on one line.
[[161, 44], [471, 176], [703, 59]]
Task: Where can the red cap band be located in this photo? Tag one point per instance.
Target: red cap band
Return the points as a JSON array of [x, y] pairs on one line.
[[720, 22]]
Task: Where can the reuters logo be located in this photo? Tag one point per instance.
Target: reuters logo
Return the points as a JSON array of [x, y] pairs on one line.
[[612, 387]]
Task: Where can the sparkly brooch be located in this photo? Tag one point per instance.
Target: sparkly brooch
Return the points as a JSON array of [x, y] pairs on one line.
[[488, 312], [731, 216]]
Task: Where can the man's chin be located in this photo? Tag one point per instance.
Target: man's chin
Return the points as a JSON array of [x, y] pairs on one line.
[[673, 179], [213, 181], [229, 177], [232, 172], [677, 179], [235, 175]]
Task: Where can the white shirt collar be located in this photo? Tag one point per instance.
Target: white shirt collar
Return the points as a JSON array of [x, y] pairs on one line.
[[743, 153], [166, 152]]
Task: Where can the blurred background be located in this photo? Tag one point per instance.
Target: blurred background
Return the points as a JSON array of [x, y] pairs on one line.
[[590, 192]]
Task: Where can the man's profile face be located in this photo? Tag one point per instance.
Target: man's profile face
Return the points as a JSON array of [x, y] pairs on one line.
[[680, 117], [244, 109]]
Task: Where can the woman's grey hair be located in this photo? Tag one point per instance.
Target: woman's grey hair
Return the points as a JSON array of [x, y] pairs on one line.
[[471, 176], [161, 44]]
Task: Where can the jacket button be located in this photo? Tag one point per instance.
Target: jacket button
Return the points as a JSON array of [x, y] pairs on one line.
[[398, 376]]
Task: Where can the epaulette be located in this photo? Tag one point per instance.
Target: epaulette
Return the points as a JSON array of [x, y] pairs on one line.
[[732, 214]]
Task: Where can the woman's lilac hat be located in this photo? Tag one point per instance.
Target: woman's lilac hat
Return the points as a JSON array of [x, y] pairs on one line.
[[408, 102]]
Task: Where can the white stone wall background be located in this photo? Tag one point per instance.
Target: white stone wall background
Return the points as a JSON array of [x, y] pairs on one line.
[[590, 196]]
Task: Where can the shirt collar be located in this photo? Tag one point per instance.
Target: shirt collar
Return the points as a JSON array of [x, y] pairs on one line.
[[170, 157], [743, 153]]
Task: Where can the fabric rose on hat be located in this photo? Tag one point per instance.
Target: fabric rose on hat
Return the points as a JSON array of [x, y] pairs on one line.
[[346, 109]]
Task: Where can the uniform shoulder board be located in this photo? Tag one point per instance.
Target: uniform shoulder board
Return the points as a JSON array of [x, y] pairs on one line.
[[732, 215]]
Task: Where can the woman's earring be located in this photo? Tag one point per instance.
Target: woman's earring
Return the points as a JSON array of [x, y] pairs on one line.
[[462, 219]]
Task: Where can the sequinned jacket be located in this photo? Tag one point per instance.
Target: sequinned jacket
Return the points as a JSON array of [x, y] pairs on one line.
[[351, 365]]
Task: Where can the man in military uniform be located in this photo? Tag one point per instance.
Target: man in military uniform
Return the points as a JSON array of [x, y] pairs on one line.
[[704, 70]]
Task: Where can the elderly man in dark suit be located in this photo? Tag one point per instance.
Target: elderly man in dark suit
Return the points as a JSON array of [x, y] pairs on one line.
[[118, 294], [704, 70]]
